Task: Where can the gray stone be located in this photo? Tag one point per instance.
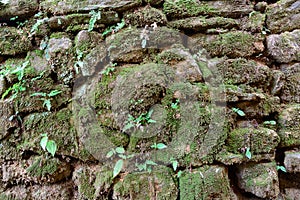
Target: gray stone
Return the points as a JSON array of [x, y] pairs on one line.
[[289, 126], [182, 9], [259, 179], [292, 161], [38, 61], [70, 6], [292, 193], [6, 120], [183, 62], [18, 8], [284, 47], [290, 91], [283, 16], [2, 84], [59, 45]]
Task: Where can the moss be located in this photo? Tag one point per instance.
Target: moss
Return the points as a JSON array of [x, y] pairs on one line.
[[58, 35], [186, 8], [169, 57], [41, 167]]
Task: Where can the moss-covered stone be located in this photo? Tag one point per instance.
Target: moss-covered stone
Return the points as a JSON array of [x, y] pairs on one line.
[[259, 179], [260, 141], [18, 8], [72, 6], [189, 8], [290, 91], [284, 47], [85, 41], [283, 16], [145, 16], [93, 182], [254, 23], [208, 182], [158, 184], [58, 127], [201, 24], [14, 41], [289, 123], [232, 44]]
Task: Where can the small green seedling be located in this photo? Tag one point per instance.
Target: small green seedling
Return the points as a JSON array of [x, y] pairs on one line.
[[46, 97], [174, 163], [248, 153], [108, 71], [239, 112], [159, 146], [144, 118], [48, 145], [119, 151], [115, 28], [282, 168], [271, 122], [146, 166], [175, 105]]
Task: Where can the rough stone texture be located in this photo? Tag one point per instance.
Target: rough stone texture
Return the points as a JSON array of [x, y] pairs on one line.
[[145, 16], [283, 16], [70, 6], [38, 169], [13, 41], [183, 62], [182, 9], [259, 179], [6, 122], [292, 193], [59, 45], [290, 90], [284, 47], [291, 161], [201, 24], [38, 61], [289, 123], [158, 184], [85, 41], [260, 141], [209, 182], [93, 182], [20, 8], [69, 22], [232, 44], [2, 84], [126, 46]]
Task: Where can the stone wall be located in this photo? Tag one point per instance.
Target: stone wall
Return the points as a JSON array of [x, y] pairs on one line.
[[150, 99]]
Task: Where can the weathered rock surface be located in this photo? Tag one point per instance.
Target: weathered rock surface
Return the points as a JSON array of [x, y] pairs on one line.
[[290, 90], [284, 47], [70, 6], [232, 44], [6, 120], [181, 9], [259, 179], [20, 8], [158, 184], [13, 41], [283, 16], [291, 161], [205, 183], [289, 123]]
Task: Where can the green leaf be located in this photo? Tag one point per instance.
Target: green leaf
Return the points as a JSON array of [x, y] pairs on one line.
[[122, 156], [161, 146], [47, 103], [272, 122], [154, 146], [150, 162], [118, 167], [44, 142], [128, 126], [175, 165], [109, 154], [120, 150], [54, 93], [38, 94], [282, 168], [239, 112], [248, 153], [144, 43], [151, 121], [179, 173], [51, 147]]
